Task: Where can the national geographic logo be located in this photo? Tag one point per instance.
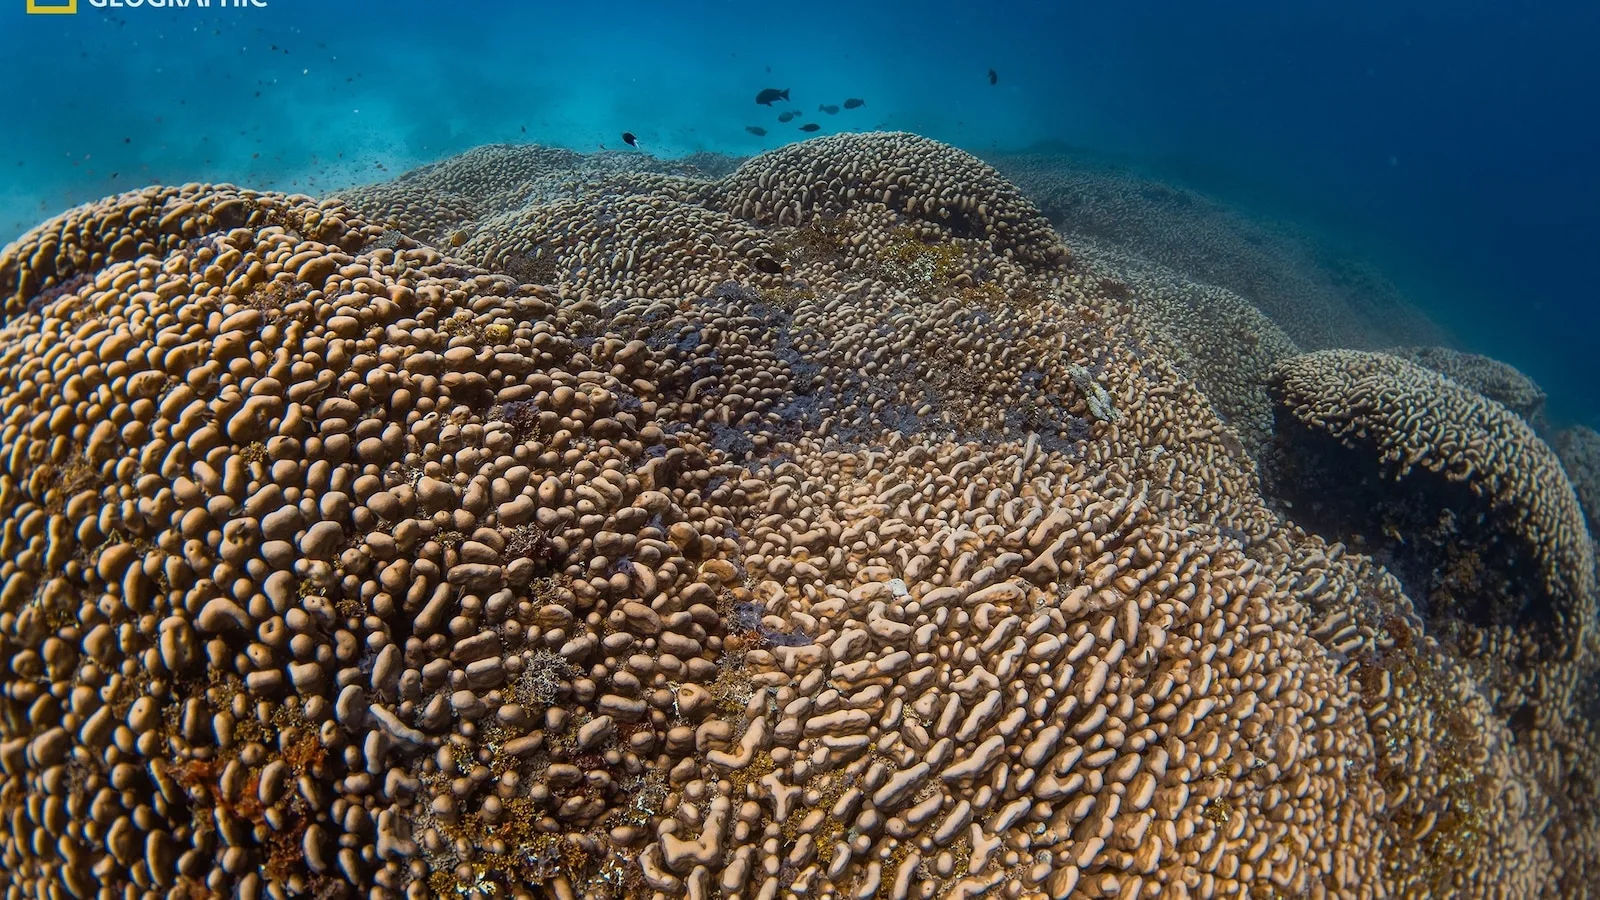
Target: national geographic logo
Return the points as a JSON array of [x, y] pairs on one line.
[[70, 7]]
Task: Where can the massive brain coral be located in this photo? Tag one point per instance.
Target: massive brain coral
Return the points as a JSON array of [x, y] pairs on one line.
[[440, 203], [60, 256], [334, 565], [649, 245], [906, 173], [1473, 508], [495, 177]]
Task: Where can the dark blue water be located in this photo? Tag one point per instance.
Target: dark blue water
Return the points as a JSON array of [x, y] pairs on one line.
[[1454, 143]]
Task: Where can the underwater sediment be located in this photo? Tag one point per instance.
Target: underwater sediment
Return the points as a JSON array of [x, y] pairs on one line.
[[547, 525]]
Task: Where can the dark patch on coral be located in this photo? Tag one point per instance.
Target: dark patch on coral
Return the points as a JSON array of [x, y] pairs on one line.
[[1113, 288], [689, 341], [1231, 443], [531, 542], [521, 415], [1459, 561], [1078, 428], [794, 638], [449, 270], [390, 239], [1237, 535], [537, 267], [628, 401], [747, 619], [1523, 720], [54, 292], [734, 292], [732, 441]]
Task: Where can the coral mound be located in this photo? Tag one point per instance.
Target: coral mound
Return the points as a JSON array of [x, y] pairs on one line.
[[335, 564], [439, 203], [1492, 378], [492, 177], [60, 255], [1393, 451], [907, 173], [1580, 455], [625, 246]]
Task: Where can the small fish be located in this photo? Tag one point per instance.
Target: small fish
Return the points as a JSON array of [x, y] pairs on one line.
[[994, 77], [756, 130], [791, 114], [632, 141], [769, 265], [768, 95], [810, 126], [830, 110], [854, 102]]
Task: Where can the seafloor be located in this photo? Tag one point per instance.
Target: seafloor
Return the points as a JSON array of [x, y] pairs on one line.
[[844, 522]]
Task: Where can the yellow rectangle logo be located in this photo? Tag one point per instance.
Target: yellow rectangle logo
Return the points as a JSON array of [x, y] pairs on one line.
[[58, 8]]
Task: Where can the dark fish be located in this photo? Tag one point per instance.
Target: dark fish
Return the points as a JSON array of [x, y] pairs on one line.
[[756, 130], [830, 110], [994, 77], [810, 126], [854, 102], [769, 265], [629, 139], [768, 95], [786, 116]]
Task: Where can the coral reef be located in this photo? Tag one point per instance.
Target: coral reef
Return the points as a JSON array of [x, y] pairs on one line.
[[341, 556]]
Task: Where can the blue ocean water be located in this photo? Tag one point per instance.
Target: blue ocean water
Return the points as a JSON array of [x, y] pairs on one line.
[[1451, 143]]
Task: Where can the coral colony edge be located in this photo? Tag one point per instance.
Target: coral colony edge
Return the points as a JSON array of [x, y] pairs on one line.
[[853, 520]]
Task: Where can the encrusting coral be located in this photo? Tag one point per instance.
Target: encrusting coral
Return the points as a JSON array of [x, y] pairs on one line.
[[337, 563]]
